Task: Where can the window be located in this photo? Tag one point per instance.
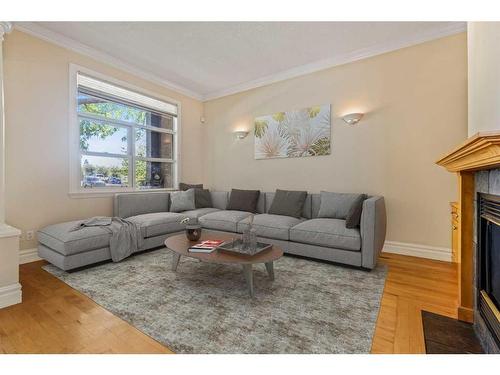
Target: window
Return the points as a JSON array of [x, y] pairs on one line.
[[126, 140]]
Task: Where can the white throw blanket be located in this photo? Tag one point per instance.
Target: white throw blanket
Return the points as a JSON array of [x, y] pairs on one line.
[[125, 235]]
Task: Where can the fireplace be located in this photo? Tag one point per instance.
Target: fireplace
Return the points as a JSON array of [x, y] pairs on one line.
[[477, 162], [488, 262]]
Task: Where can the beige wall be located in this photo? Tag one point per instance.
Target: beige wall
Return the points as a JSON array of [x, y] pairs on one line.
[[484, 76], [415, 100], [37, 161]]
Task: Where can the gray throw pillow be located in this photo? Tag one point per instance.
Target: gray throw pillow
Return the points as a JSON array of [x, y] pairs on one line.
[[353, 218], [243, 200], [202, 198], [336, 205], [183, 186], [182, 201], [288, 203]]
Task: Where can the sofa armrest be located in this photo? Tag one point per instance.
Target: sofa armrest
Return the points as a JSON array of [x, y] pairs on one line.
[[131, 204], [373, 228]]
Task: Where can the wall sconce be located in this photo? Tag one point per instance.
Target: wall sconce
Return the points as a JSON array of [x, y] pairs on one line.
[[240, 134], [352, 118]]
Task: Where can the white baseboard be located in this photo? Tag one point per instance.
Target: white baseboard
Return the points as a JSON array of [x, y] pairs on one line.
[[10, 295], [416, 250], [28, 256]]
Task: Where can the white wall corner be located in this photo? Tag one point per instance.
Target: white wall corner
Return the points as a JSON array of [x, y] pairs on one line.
[[417, 250], [10, 295]]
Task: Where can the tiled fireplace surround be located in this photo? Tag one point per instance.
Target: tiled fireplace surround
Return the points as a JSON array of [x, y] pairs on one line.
[[486, 181]]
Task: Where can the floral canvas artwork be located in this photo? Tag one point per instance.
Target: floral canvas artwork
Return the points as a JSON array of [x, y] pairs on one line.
[[292, 134]]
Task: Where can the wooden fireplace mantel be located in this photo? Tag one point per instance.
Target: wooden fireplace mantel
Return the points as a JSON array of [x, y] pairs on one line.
[[479, 152]]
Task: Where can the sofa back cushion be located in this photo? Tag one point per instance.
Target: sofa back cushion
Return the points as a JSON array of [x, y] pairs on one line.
[[182, 201], [288, 203], [243, 200], [353, 218], [202, 198], [315, 203], [132, 204], [337, 205], [306, 210], [261, 204], [219, 199]]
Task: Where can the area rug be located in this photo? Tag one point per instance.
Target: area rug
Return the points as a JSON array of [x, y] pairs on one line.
[[311, 307]]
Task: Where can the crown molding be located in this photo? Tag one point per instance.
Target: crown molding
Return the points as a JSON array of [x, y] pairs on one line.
[[384, 47], [356, 55], [73, 45], [5, 28]]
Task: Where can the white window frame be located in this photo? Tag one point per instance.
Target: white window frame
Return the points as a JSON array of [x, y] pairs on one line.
[[75, 188]]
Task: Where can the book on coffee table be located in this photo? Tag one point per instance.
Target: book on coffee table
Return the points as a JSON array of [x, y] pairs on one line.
[[205, 246]]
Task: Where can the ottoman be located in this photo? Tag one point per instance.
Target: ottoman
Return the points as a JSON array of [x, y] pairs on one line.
[[69, 249]]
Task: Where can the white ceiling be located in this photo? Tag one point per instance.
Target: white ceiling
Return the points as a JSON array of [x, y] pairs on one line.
[[212, 59]]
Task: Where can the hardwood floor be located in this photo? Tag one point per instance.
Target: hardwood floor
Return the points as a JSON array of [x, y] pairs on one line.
[[413, 285], [54, 318]]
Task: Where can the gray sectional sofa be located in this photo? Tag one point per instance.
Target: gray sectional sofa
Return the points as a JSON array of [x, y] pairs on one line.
[[309, 236]]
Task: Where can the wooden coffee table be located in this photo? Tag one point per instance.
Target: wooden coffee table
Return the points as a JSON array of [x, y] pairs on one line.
[[180, 245]]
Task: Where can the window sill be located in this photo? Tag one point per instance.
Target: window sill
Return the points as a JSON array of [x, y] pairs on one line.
[[84, 194]]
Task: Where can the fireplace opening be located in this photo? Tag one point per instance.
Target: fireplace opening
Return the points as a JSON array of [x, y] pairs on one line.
[[488, 262]]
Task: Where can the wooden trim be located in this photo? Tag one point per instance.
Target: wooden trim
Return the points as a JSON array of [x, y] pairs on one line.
[[455, 229], [482, 151], [465, 244], [465, 314]]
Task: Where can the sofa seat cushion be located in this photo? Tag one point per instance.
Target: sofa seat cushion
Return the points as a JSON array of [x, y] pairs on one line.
[[158, 223], [226, 220], [61, 238], [327, 232], [271, 226], [199, 212]]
